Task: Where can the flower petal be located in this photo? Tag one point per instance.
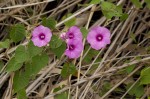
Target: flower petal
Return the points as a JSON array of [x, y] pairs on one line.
[[105, 32], [38, 42], [106, 40], [74, 29], [35, 32], [48, 34], [71, 54], [98, 45], [92, 37]]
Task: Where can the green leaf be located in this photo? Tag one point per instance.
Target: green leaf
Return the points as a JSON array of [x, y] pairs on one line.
[[133, 36], [13, 65], [1, 64], [20, 81], [63, 95], [33, 50], [29, 69], [136, 3], [130, 68], [38, 62], [21, 55], [17, 32], [137, 90], [21, 94], [138, 58], [106, 87], [5, 44], [91, 54], [68, 69], [84, 32], [95, 1], [124, 17], [55, 42], [49, 22], [148, 3], [109, 10], [71, 22], [145, 76], [60, 50]]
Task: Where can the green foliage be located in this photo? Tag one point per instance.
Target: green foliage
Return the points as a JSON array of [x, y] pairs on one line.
[[136, 3], [91, 54], [1, 64], [5, 44], [70, 22], [138, 58], [68, 69], [137, 90], [13, 65], [63, 95], [60, 50], [148, 3], [148, 49], [124, 17], [95, 1], [21, 94], [29, 11], [38, 62], [20, 81], [145, 76], [133, 36], [84, 32], [49, 22], [33, 50], [55, 42], [17, 32], [106, 87], [130, 68], [109, 10], [21, 55]]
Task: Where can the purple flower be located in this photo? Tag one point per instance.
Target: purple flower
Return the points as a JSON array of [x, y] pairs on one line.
[[41, 36], [72, 34], [63, 36], [98, 37], [74, 49], [73, 38]]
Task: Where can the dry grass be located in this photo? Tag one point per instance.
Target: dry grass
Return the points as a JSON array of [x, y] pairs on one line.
[[107, 63]]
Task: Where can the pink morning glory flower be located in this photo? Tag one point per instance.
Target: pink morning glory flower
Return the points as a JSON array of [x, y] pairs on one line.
[[73, 33], [98, 37], [74, 49], [41, 36], [63, 36]]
